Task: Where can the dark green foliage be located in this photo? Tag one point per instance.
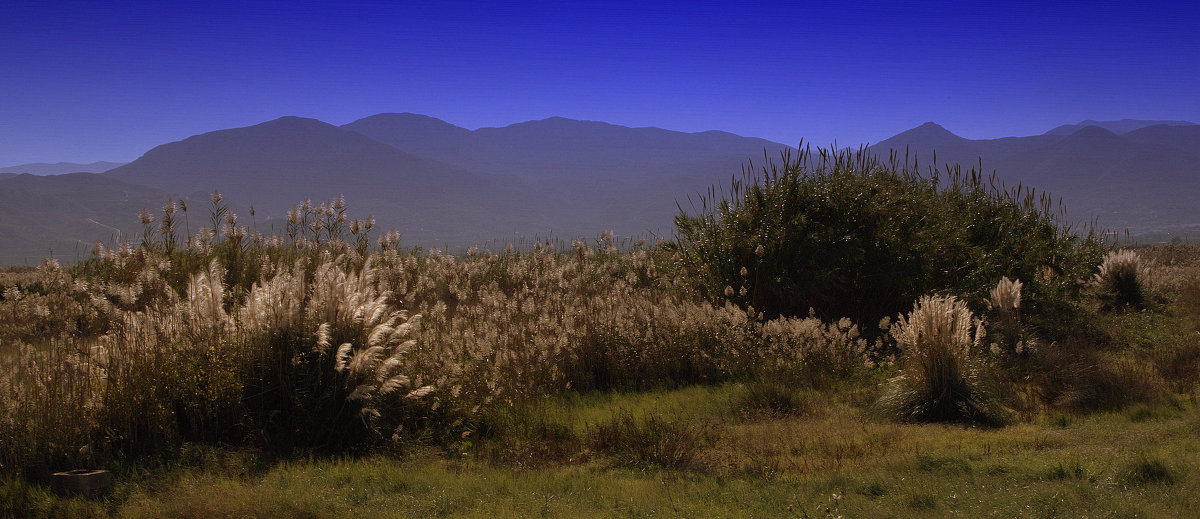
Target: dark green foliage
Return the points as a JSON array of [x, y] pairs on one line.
[[768, 399], [1078, 375], [652, 441], [849, 235], [1147, 470]]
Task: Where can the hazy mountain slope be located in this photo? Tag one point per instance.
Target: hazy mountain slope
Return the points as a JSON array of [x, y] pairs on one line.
[[556, 148], [605, 176], [289, 154], [442, 185], [589, 148], [274, 165], [1090, 155], [59, 168], [922, 142], [66, 214], [1120, 127], [419, 134], [1185, 138], [1145, 180], [925, 142]]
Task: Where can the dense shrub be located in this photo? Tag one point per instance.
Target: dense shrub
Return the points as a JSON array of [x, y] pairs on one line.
[[848, 235]]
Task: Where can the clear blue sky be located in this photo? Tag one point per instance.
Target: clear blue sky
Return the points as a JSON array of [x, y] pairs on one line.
[[86, 81]]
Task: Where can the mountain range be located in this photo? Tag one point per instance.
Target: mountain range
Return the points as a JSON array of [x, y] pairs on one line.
[[447, 186], [61, 168], [1143, 176]]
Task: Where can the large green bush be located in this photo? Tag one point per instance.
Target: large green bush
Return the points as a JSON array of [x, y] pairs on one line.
[[849, 235]]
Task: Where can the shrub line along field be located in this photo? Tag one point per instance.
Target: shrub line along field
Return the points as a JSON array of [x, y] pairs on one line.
[[832, 335]]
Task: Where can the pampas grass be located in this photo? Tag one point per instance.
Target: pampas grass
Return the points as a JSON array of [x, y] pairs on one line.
[[1006, 332], [1124, 279], [940, 380], [310, 343]]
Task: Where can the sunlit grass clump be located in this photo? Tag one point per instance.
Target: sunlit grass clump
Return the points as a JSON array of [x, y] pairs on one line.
[[1124, 279], [941, 380]]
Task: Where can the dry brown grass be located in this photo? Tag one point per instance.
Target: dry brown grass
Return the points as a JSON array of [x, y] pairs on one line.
[[179, 345]]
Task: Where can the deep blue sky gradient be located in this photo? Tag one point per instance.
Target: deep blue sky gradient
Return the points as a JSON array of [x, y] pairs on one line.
[[85, 81]]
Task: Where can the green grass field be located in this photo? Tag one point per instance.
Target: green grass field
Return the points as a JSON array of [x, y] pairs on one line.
[[832, 461]]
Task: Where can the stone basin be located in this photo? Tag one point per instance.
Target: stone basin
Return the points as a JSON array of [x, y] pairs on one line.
[[87, 482]]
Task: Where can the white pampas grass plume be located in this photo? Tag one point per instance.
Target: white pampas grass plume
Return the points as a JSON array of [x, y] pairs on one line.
[[365, 360], [1006, 296], [419, 393], [343, 357], [323, 337], [392, 384]]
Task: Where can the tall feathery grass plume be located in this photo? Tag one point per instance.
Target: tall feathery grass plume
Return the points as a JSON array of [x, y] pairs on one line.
[[1006, 296], [810, 351], [331, 357], [1124, 279], [1006, 331], [940, 378]]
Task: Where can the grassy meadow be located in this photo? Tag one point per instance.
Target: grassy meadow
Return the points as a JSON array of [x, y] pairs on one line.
[[832, 335]]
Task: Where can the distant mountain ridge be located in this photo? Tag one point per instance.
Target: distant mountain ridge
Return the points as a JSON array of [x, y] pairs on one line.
[[1120, 127], [60, 168], [274, 165], [608, 176], [446, 186], [1136, 174], [548, 147]]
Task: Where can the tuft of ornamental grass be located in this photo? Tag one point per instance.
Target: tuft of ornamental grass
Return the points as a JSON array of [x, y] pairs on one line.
[[940, 381], [1005, 330], [1124, 279]]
